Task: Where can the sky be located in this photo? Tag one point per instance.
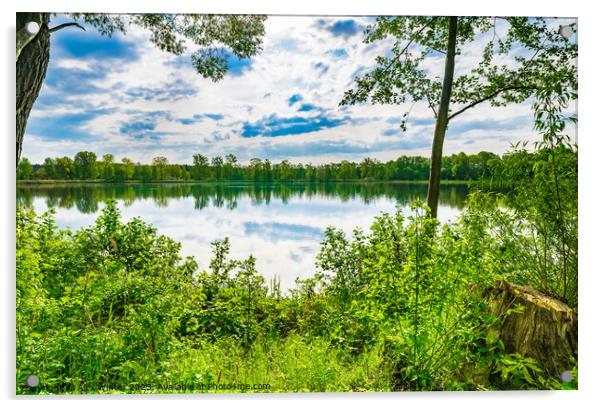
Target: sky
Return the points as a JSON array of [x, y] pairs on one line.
[[123, 96]]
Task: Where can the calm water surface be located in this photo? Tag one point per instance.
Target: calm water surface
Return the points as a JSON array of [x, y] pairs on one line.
[[281, 225]]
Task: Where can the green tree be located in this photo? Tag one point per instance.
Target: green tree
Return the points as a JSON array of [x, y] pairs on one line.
[[461, 166], [367, 168], [266, 170], [347, 171], [481, 164], [146, 172], [39, 173], [217, 164], [200, 167], [212, 35], [310, 173], [230, 167], [119, 172], [160, 167], [108, 172], [254, 169], [128, 167], [24, 169], [85, 165], [64, 168], [540, 58], [285, 171], [50, 167]]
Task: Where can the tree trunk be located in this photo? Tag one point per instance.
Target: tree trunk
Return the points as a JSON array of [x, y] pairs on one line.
[[441, 126], [31, 70], [541, 327]]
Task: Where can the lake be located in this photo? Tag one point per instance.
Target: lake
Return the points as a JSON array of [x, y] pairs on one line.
[[282, 225]]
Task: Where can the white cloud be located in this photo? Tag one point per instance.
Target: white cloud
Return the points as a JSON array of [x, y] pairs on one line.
[[298, 58]]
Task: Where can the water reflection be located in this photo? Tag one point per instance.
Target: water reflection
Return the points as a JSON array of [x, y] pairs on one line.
[[86, 197], [282, 225]]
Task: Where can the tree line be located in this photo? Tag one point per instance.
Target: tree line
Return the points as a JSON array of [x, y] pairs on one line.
[[87, 166]]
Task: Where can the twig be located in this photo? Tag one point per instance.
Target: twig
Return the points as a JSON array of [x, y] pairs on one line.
[[486, 98], [64, 25]]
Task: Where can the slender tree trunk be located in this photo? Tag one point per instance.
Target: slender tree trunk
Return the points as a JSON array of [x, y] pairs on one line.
[[31, 70], [441, 126]]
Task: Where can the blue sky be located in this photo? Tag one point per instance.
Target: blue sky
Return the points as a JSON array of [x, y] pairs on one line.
[[121, 95]]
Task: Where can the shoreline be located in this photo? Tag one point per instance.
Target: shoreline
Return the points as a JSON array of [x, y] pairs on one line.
[[25, 183]]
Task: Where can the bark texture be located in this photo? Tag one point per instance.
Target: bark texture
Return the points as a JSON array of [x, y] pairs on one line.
[[31, 70], [441, 126], [545, 330]]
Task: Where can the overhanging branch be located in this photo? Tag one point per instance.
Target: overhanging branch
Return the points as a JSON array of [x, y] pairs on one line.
[[488, 97], [64, 25]]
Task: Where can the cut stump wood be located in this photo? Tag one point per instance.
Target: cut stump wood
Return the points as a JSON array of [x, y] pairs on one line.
[[535, 325]]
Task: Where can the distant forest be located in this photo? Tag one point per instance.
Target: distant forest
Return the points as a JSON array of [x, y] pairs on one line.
[[86, 166]]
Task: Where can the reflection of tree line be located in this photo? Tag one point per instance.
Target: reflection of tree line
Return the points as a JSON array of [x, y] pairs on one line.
[[86, 198]]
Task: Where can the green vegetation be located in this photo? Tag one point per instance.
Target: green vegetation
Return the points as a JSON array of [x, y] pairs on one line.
[[484, 166], [114, 308]]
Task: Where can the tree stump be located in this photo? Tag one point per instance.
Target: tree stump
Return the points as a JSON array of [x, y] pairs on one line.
[[535, 325]]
